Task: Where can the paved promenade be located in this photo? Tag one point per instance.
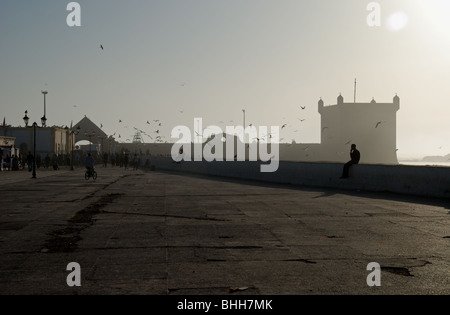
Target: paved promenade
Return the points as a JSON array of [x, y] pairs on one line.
[[156, 233]]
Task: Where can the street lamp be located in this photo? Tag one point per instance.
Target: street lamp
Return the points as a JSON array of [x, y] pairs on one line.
[[44, 118], [72, 132], [244, 125], [26, 119]]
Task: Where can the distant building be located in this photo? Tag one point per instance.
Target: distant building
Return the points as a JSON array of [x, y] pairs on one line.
[[7, 148], [7, 144], [86, 130], [49, 140], [371, 126]]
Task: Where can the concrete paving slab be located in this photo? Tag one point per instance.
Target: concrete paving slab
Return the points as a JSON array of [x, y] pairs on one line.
[[162, 233]]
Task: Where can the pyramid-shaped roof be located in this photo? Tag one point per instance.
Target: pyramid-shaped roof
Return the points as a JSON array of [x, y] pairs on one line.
[[88, 127]]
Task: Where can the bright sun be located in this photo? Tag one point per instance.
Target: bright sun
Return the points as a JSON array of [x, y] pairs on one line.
[[436, 12], [397, 21]]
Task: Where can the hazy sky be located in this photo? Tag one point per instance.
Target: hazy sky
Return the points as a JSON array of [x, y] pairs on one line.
[[213, 58]]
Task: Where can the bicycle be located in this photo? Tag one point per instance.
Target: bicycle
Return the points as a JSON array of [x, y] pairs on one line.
[[90, 173]]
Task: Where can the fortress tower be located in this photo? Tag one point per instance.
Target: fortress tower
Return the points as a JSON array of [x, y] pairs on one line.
[[371, 126]]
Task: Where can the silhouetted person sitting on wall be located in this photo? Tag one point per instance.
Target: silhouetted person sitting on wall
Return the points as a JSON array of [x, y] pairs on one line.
[[355, 157]]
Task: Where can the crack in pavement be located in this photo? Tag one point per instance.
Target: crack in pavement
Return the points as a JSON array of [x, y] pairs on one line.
[[65, 240], [164, 216], [403, 271]]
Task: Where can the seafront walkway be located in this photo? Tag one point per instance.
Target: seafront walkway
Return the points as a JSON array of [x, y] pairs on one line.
[[159, 233]]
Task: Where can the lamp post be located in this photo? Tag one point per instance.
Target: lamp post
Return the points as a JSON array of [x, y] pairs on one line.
[[244, 123], [72, 132], [26, 119], [44, 118]]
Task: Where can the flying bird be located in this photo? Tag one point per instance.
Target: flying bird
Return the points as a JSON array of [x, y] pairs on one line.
[[348, 142], [148, 122], [120, 120], [302, 107], [283, 126], [101, 46], [378, 123], [302, 120]]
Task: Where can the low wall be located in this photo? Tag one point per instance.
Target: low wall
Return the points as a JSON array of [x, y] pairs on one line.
[[412, 180]]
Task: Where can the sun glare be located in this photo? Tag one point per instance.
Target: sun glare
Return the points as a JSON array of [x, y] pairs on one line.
[[397, 21], [438, 12]]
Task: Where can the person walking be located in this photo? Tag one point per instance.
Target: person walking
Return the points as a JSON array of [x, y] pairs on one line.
[[136, 162], [105, 159], [125, 161], [30, 159]]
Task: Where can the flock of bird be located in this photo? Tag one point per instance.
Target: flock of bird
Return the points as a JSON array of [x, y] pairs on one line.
[[159, 139]]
